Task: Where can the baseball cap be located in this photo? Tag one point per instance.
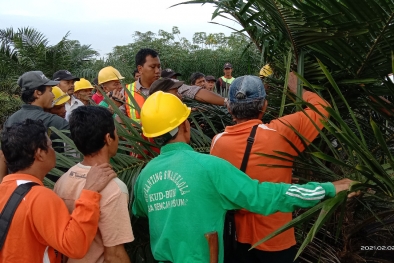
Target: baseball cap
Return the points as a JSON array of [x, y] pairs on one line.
[[210, 77], [34, 79], [64, 75], [246, 89], [168, 73], [227, 65], [164, 84]]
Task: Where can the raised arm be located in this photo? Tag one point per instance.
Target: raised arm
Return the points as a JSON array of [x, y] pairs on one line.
[[237, 191]]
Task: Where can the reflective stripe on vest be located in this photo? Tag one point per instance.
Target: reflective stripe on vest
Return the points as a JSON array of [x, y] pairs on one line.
[[131, 112]]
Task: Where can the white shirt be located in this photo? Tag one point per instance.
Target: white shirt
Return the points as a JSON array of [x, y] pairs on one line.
[[75, 103]]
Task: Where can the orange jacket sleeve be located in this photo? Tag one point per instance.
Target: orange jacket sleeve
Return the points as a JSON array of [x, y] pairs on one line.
[[72, 234], [304, 122]]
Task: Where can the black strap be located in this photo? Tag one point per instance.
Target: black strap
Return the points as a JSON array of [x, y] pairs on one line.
[[249, 145], [229, 234], [10, 207]]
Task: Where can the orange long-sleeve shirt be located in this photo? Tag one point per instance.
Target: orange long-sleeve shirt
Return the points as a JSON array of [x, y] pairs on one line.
[[42, 223], [230, 145]]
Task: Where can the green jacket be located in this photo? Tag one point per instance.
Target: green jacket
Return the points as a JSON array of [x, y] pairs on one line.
[[186, 194]]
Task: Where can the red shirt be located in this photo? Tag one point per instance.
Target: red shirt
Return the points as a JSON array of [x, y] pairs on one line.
[[97, 98]]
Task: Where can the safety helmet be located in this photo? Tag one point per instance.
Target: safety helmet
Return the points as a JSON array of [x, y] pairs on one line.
[[107, 74], [266, 71], [60, 96], [162, 113], [82, 84]]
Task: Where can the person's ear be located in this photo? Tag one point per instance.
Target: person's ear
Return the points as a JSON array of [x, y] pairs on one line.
[[185, 127], [264, 106], [228, 107], [139, 67], [40, 155], [37, 94], [104, 88], [108, 140]]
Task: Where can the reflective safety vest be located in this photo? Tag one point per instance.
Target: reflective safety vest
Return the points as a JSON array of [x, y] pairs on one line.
[[131, 112]]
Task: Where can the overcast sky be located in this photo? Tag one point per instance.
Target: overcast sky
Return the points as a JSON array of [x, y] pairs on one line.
[[105, 24]]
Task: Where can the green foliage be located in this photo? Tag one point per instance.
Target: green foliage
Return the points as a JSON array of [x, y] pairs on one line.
[[8, 105], [26, 49], [342, 50]]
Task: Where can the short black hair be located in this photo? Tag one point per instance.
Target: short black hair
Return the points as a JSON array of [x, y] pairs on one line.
[[28, 95], [20, 141], [140, 58], [246, 111], [195, 76], [88, 127]]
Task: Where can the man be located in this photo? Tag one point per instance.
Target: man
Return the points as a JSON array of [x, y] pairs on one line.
[[149, 66], [98, 145], [59, 102], [186, 194], [42, 226], [198, 79], [210, 83], [247, 105], [109, 78], [66, 84], [169, 73], [83, 91], [37, 95], [223, 83], [97, 97]]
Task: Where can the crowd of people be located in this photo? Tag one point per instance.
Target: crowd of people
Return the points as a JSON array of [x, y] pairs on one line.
[[184, 194]]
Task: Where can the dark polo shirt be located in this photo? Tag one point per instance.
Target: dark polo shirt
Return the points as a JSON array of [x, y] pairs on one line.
[[37, 113]]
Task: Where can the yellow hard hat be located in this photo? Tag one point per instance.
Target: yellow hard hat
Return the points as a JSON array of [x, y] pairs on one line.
[[107, 74], [82, 84], [266, 71], [162, 113], [60, 96]]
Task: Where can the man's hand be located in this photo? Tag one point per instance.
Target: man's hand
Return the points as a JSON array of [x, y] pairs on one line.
[[293, 83], [118, 98], [344, 185], [116, 254], [98, 177]]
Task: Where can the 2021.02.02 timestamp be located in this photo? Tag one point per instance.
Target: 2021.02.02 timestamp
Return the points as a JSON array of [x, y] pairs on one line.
[[377, 248]]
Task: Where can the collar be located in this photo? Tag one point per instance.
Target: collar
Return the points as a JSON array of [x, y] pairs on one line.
[[73, 100], [25, 177], [31, 107], [80, 165], [243, 126], [138, 85], [176, 146]]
